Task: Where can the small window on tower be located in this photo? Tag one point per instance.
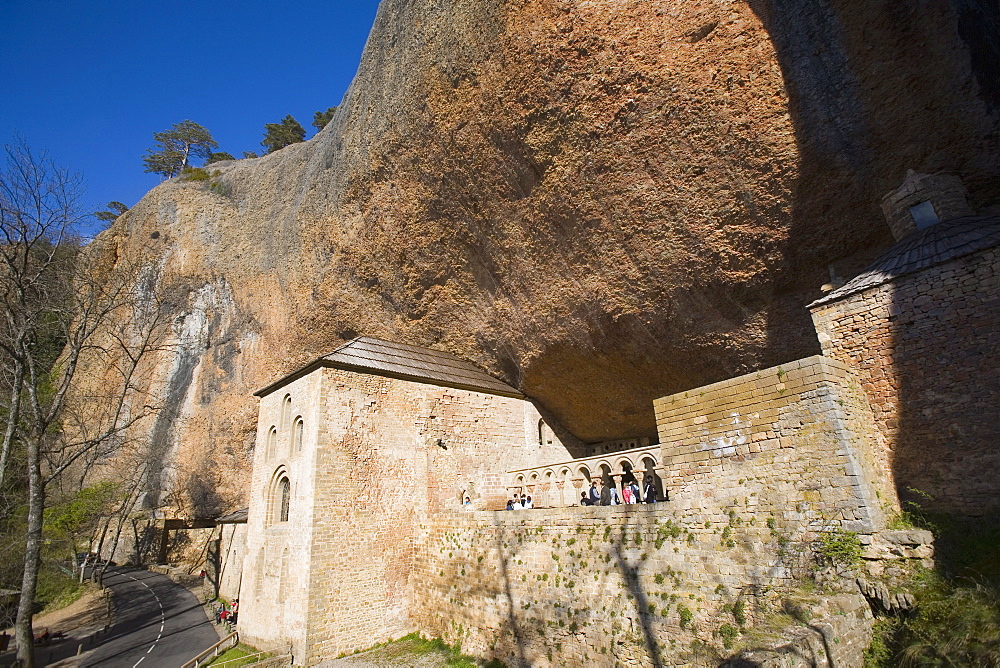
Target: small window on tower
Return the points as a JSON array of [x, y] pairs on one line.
[[924, 215]]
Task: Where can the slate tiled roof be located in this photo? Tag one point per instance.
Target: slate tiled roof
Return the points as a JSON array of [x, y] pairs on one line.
[[400, 360], [235, 517], [931, 246]]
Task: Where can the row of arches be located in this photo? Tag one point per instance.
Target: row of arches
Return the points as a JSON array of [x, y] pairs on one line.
[[562, 484]]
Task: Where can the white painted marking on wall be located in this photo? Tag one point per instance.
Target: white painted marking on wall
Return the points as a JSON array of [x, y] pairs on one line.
[[725, 446]]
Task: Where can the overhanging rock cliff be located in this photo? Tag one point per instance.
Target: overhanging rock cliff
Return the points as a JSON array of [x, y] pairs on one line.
[[600, 202]]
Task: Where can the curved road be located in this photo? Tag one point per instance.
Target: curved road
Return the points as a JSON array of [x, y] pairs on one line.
[[157, 623]]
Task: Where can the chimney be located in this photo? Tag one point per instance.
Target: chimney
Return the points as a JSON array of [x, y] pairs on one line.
[[923, 200]]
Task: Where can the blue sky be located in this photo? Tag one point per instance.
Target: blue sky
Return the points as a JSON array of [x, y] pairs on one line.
[[91, 80]]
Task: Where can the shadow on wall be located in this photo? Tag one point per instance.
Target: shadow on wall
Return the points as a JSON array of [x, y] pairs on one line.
[[201, 489], [631, 578], [946, 455], [513, 627], [872, 91]]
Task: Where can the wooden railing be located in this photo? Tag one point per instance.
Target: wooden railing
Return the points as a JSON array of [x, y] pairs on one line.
[[562, 483], [230, 641]]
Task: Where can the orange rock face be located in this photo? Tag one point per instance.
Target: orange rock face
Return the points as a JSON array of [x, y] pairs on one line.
[[599, 202]]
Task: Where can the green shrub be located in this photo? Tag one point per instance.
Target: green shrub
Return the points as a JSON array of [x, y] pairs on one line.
[[728, 633], [838, 548], [685, 614], [195, 174], [953, 626], [219, 188], [739, 613]]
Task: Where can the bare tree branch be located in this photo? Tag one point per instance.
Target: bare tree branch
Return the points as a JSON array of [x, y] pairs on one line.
[[75, 336]]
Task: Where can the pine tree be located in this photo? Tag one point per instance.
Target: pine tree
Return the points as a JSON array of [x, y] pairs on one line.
[[115, 209], [185, 140], [279, 135], [219, 157], [321, 118]]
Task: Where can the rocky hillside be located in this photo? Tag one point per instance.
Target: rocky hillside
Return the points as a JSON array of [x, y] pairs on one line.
[[599, 202]]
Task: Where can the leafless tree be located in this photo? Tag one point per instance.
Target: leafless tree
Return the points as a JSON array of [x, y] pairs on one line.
[[77, 335]]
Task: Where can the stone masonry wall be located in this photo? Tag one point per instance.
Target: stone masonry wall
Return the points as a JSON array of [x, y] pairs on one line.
[[391, 453], [619, 585], [925, 348], [757, 467], [795, 440], [232, 551], [276, 578]]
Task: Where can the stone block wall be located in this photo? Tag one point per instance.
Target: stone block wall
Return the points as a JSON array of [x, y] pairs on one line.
[[757, 467], [393, 453], [794, 441], [617, 586], [275, 581], [379, 455], [232, 545], [926, 348]]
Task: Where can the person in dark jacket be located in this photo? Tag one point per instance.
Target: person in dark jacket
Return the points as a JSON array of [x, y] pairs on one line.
[[605, 494], [650, 491], [595, 494]]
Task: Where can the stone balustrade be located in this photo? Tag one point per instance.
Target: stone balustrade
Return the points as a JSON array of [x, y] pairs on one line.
[[562, 483]]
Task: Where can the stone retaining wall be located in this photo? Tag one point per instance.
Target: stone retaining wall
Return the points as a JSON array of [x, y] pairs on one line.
[[794, 442], [615, 585]]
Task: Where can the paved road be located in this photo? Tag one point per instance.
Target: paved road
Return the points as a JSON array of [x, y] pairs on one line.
[[157, 623]]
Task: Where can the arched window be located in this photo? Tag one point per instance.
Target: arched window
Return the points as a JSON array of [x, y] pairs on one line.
[[272, 443], [285, 494], [279, 497], [286, 410], [297, 433], [541, 432]]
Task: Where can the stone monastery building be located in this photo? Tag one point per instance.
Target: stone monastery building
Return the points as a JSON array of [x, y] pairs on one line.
[[378, 468], [357, 448]]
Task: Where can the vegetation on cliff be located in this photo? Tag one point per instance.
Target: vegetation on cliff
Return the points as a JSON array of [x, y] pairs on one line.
[[176, 148], [956, 621], [286, 132]]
